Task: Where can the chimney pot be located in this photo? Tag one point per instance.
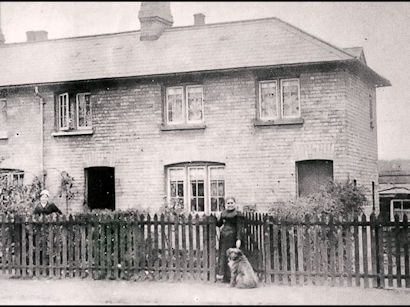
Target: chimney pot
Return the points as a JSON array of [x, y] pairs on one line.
[[36, 36], [199, 19]]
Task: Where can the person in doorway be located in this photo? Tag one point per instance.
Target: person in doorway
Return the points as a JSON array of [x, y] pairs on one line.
[[45, 207], [230, 223]]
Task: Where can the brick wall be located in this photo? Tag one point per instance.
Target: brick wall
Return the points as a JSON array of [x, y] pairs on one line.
[[21, 149], [362, 138], [260, 161]]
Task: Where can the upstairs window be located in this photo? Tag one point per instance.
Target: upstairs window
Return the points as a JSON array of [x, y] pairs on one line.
[[74, 111], [184, 105], [197, 187], [279, 99]]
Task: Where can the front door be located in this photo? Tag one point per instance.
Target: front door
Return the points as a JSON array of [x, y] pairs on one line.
[[100, 187]]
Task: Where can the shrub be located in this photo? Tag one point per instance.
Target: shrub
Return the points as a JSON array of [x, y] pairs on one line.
[[17, 198], [337, 199]]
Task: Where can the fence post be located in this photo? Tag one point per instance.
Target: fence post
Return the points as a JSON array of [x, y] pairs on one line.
[[177, 275], [406, 250], [191, 247], [397, 240], [3, 243], [356, 251], [266, 247], [156, 248], [374, 253], [364, 249], [332, 256], [212, 248], [376, 234], [308, 253], [380, 251]]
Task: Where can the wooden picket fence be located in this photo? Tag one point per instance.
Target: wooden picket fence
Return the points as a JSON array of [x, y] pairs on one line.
[[360, 252], [125, 246], [364, 253]]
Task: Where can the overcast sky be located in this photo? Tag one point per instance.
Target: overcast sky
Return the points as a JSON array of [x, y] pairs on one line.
[[381, 28]]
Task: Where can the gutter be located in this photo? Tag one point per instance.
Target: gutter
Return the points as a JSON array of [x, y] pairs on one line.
[[41, 101]]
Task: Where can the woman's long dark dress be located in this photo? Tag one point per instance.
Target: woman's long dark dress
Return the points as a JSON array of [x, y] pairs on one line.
[[230, 232]]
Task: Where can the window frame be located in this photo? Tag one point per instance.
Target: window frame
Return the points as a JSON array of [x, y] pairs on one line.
[[280, 118], [209, 186], [67, 112], [78, 127], [189, 187], [10, 176], [186, 167], [167, 104], [401, 210], [185, 110], [187, 101], [260, 99], [281, 97]]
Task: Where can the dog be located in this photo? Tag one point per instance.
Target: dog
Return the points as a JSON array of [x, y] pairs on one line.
[[242, 274]]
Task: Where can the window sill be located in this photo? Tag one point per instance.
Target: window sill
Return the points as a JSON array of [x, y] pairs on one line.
[[3, 135], [183, 127], [279, 122], [73, 132]]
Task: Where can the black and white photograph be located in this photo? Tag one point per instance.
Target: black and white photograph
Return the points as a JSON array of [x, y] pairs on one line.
[[204, 153]]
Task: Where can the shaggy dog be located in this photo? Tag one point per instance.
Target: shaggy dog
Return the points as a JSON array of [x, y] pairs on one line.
[[242, 274]]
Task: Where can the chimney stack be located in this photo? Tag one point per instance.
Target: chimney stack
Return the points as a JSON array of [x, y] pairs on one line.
[[2, 39], [199, 19], [36, 36], [154, 17]]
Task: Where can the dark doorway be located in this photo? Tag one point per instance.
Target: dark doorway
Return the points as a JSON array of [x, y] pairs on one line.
[[100, 188], [312, 175]]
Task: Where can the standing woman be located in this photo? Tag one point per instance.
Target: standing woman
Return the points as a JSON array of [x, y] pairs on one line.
[[231, 223]]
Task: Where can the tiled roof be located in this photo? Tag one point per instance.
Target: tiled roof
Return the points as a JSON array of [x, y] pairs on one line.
[[253, 43]]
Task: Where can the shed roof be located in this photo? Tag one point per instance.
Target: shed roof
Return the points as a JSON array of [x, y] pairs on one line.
[[230, 45]]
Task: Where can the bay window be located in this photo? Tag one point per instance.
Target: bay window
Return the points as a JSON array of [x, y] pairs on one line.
[[196, 187]]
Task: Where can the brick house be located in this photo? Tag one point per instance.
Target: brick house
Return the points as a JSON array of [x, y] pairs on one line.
[[257, 109]]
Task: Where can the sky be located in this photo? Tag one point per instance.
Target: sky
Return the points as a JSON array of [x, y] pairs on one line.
[[381, 28]]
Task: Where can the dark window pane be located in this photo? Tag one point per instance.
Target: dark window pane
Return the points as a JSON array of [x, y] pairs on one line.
[[193, 204], [221, 204], [193, 186], [406, 204], [201, 206], [221, 188], [173, 189], [201, 188], [180, 189], [214, 190], [214, 204], [397, 205]]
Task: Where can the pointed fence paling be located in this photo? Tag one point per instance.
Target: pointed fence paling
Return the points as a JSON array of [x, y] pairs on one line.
[[121, 246], [364, 252], [361, 252]]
